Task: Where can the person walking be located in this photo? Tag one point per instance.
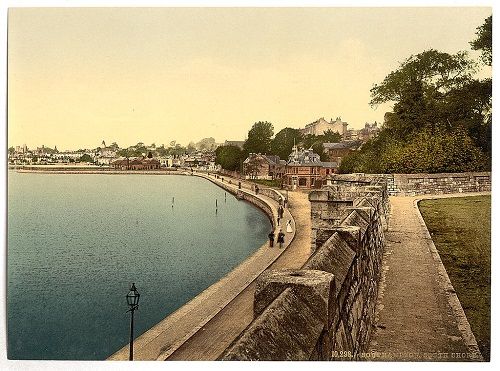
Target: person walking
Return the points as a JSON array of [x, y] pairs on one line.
[[280, 212], [281, 238], [289, 228], [271, 238]]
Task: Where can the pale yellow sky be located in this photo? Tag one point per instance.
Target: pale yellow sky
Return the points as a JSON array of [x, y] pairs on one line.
[[77, 76]]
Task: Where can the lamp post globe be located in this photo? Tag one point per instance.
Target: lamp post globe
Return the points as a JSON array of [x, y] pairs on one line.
[[133, 297], [133, 302]]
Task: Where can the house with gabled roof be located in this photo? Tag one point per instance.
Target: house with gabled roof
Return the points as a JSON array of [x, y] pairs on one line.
[[304, 169], [259, 166]]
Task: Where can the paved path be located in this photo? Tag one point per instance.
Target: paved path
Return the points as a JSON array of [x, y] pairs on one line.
[[418, 315], [213, 338], [203, 328]]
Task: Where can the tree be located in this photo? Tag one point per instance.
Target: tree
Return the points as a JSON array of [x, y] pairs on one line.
[[318, 148], [229, 157], [11, 151], [86, 158], [431, 71], [124, 153], [427, 152], [434, 152], [420, 89], [161, 151], [283, 142], [191, 147], [483, 42], [177, 150], [259, 138], [331, 136], [206, 144], [316, 142], [441, 119]]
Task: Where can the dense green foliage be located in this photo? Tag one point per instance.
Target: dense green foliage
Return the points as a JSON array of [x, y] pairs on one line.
[[229, 157], [441, 119], [483, 41], [316, 142], [259, 138], [86, 158], [283, 142]]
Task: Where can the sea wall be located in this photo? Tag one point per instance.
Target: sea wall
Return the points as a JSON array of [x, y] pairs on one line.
[[94, 170], [325, 310], [272, 193], [167, 336], [247, 195]]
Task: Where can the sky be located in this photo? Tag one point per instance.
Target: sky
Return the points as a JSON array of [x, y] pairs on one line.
[[78, 76]]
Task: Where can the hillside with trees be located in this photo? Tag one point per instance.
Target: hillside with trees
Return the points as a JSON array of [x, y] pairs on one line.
[[261, 140], [441, 119]]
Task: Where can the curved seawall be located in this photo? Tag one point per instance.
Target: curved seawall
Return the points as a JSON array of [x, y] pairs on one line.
[[99, 231], [159, 342], [248, 196]]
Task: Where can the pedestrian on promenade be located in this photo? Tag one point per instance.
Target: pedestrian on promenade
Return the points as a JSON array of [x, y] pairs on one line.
[[239, 185], [281, 238], [280, 211], [289, 228], [256, 190], [279, 219], [285, 202], [271, 238]]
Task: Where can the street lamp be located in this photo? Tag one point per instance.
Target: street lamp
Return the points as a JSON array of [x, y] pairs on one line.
[[133, 302]]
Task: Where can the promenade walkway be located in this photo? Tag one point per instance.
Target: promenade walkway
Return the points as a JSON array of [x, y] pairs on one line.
[[208, 343], [204, 327], [418, 315]]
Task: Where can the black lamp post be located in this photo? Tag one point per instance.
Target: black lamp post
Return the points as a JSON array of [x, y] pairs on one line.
[[133, 303]]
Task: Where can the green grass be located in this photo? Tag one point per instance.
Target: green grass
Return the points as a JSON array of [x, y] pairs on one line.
[[461, 231]]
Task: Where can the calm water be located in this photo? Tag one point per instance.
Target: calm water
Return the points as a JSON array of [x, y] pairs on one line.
[[75, 242]]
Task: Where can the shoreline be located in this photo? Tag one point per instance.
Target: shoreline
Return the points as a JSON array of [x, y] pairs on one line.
[[169, 334], [85, 170]]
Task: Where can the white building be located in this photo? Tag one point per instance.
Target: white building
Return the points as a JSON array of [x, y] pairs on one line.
[[321, 125]]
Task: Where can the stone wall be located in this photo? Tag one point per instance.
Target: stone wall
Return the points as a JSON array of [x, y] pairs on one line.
[[325, 310], [420, 184], [272, 193], [259, 203], [244, 195]]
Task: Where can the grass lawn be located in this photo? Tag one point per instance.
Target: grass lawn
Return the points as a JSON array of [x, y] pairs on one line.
[[461, 231]]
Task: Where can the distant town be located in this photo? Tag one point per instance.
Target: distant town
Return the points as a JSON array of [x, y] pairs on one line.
[[315, 152]]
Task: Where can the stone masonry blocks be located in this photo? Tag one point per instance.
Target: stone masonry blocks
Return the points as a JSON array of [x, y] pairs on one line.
[[316, 288], [288, 330]]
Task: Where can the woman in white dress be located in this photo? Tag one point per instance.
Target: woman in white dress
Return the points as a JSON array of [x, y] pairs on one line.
[[289, 226]]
